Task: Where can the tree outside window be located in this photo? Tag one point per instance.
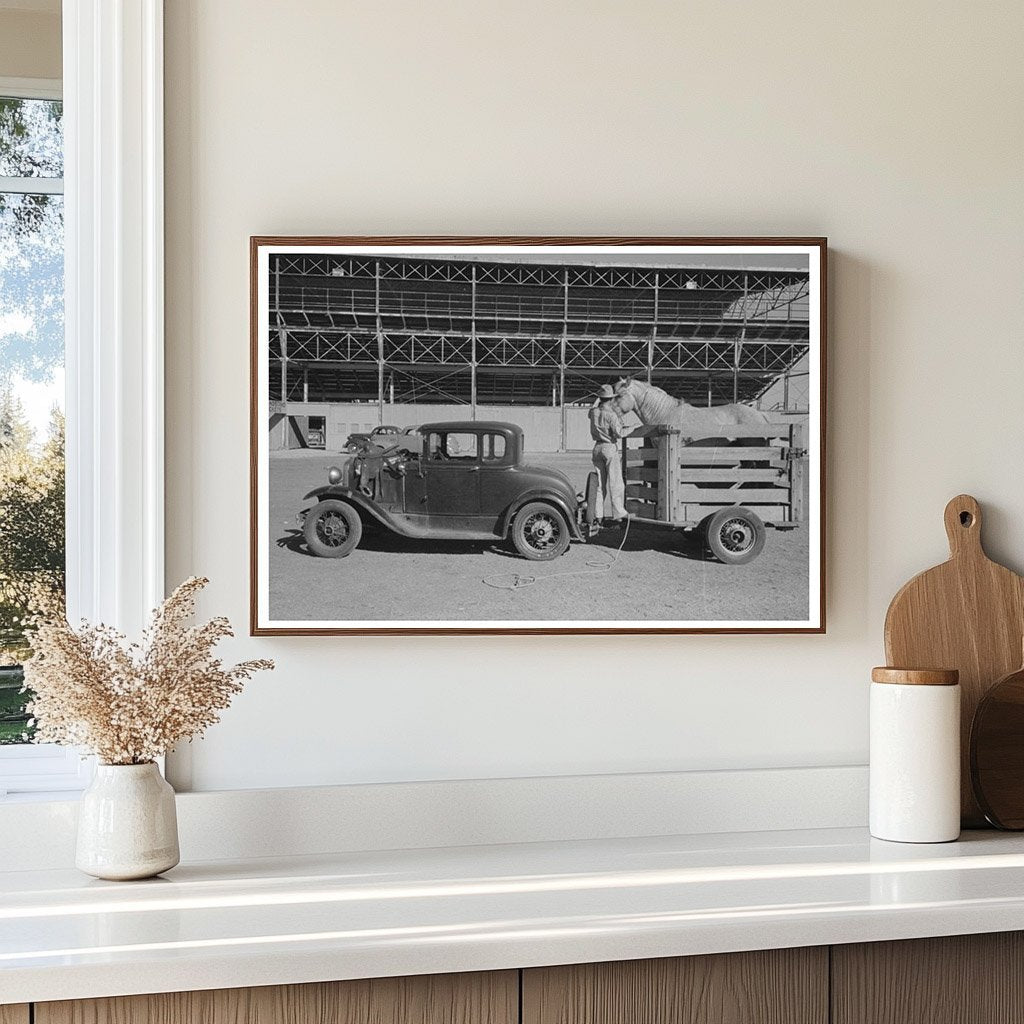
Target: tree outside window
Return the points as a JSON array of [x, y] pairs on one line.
[[31, 386]]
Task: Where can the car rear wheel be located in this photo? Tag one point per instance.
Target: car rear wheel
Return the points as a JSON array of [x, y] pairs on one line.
[[332, 529], [540, 532], [734, 535]]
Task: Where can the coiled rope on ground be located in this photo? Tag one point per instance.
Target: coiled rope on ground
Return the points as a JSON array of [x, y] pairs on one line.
[[518, 580]]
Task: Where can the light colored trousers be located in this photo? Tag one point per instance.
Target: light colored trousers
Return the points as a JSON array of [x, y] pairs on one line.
[[608, 460]]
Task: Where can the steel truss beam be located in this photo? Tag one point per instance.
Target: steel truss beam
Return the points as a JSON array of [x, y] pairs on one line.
[[440, 349], [542, 275], [335, 320]]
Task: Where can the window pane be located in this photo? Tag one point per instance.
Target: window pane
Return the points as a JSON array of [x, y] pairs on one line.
[[31, 430], [494, 449], [450, 447], [462, 446], [31, 138]]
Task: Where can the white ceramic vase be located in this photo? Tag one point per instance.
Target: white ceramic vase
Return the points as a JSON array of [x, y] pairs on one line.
[[127, 825]]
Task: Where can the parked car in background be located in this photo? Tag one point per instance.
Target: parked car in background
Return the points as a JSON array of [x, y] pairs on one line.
[[379, 435]]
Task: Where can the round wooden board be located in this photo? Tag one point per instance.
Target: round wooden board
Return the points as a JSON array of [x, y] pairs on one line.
[[997, 752]]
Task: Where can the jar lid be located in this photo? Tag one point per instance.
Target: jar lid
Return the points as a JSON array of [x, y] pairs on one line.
[[916, 676]]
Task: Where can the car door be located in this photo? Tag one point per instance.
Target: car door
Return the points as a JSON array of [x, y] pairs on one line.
[[452, 471], [498, 483]]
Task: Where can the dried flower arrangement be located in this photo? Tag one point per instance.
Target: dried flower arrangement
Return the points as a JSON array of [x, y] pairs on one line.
[[130, 703]]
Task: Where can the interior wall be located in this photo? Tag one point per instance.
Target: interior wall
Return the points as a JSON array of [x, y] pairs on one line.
[[30, 43], [894, 129]]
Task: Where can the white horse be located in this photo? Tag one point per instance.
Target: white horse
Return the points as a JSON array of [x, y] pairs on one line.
[[657, 408], [699, 426]]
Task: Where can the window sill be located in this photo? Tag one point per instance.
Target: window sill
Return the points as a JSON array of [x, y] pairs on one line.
[[42, 771], [41, 797], [39, 831]]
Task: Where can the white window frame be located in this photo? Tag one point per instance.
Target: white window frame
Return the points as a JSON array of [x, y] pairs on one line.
[[31, 89], [114, 347], [37, 767]]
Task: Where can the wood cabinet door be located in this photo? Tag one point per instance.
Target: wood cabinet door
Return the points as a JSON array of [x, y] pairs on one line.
[[777, 986], [483, 998], [960, 979], [14, 1014]]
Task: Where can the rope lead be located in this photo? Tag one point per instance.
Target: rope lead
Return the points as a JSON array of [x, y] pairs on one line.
[[518, 581]]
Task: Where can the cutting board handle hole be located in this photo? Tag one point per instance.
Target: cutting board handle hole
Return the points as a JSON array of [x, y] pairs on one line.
[[966, 518]]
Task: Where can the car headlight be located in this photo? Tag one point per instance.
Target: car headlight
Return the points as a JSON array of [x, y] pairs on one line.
[[334, 475]]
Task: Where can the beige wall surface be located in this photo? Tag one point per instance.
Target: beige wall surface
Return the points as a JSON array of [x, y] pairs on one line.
[[30, 44], [895, 129]]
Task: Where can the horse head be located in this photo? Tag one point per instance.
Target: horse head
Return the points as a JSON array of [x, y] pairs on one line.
[[625, 394], [653, 405]]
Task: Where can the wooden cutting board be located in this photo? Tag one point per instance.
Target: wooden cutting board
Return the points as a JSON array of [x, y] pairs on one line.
[[967, 614]]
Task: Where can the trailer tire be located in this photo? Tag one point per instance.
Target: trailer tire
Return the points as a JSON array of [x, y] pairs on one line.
[[733, 535]]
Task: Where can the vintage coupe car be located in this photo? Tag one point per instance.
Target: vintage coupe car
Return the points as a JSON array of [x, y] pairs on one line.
[[462, 480], [379, 435]]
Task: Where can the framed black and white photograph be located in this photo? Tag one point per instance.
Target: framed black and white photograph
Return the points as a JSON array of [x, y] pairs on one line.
[[537, 435]]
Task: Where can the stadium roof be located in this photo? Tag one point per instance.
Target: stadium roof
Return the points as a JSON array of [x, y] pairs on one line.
[[349, 326]]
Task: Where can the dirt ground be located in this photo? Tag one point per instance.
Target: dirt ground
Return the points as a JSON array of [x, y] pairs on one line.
[[660, 574]]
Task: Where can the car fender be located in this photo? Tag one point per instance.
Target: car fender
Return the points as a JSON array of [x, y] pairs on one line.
[[353, 498], [541, 495], [329, 491]]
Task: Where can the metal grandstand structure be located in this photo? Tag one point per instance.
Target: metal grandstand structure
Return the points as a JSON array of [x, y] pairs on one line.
[[493, 331]]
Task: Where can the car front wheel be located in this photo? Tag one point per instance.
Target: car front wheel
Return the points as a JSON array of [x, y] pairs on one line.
[[540, 532], [332, 529]]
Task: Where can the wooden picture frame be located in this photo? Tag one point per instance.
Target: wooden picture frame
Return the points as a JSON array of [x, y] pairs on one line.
[[363, 324]]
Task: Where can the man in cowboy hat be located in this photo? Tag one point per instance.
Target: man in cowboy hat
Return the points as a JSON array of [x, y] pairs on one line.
[[607, 430]]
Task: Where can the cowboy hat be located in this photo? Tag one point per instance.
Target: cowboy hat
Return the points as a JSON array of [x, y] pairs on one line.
[[605, 392]]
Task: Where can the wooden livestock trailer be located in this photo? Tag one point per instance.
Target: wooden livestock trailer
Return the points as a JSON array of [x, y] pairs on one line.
[[729, 486]]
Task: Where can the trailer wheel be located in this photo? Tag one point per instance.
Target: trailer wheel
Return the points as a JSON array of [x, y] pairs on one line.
[[733, 535], [332, 529]]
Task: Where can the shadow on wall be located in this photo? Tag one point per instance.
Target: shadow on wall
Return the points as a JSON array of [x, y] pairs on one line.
[[286, 432], [848, 424]]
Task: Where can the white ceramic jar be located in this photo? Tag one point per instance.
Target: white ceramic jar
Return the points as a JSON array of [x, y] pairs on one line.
[[127, 823], [915, 755]]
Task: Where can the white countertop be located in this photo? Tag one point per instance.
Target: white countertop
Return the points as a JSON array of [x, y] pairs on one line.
[[226, 924]]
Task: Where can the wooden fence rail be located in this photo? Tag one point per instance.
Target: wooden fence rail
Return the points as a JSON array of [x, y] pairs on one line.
[[672, 480]]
